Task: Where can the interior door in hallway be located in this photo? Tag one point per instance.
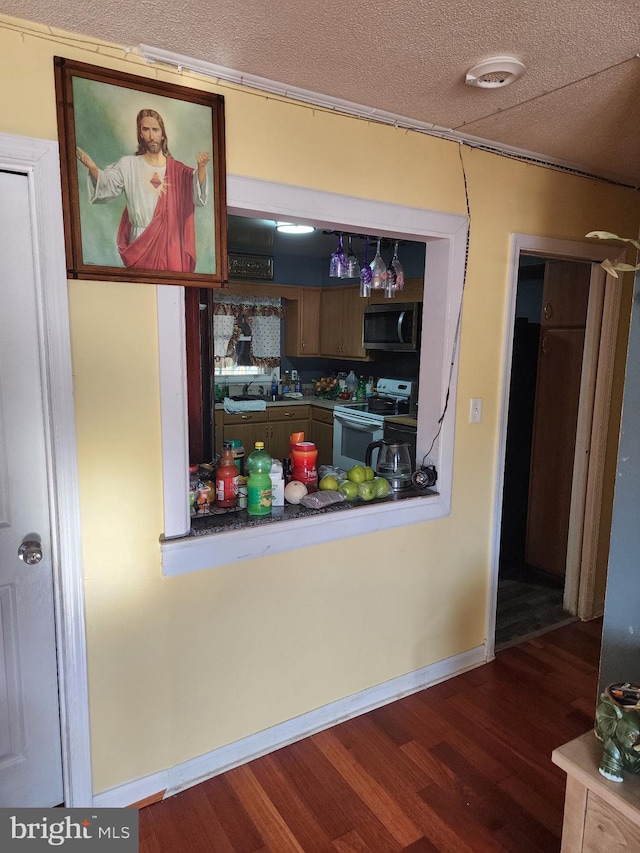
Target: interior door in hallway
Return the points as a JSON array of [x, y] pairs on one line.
[[30, 742], [560, 356]]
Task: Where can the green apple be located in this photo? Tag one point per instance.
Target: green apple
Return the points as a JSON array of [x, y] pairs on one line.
[[357, 474], [382, 487], [366, 490], [369, 473], [348, 489], [328, 482]]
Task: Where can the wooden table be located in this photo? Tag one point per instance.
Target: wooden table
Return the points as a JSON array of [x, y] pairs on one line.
[[600, 816]]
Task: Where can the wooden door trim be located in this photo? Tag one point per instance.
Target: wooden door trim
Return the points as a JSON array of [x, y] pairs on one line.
[[547, 247], [587, 606], [39, 160], [582, 459]]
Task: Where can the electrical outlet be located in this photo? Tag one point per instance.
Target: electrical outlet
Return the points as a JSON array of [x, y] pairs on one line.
[[294, 374], [475, 410]]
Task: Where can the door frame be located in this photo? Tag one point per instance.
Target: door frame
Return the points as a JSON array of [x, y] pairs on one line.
[[38, 160], [580, 580]]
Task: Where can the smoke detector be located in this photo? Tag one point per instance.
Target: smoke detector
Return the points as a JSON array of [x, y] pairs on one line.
[[495, 72]]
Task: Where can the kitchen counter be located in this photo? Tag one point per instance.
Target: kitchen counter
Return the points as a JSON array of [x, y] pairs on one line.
[[301, 401], [404, 420], [224, 520]]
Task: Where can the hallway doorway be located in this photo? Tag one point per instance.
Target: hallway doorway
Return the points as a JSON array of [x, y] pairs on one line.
[[546, 368], [545, 549]]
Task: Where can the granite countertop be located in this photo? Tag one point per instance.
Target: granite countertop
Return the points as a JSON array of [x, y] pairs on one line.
[[405, 420], [300, 401], [225, 520]]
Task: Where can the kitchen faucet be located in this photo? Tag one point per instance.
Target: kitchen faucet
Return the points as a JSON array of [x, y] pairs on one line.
[[245, 389]]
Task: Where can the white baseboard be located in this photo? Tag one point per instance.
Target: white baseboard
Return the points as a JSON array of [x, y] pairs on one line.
[[182, 776]]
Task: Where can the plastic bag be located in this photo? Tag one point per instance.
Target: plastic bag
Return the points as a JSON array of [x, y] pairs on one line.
[[318, 500], [331, 470]]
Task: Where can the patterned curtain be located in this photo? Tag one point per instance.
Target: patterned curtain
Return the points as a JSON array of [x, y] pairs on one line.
[[263, 316]]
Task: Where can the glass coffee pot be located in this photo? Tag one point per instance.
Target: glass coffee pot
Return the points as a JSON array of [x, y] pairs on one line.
[[393, 462]]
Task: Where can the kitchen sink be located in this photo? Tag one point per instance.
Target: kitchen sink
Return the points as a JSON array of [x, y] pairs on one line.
[[242, 397]]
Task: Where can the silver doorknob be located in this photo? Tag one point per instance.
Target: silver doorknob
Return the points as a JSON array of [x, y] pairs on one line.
[[30, 551]]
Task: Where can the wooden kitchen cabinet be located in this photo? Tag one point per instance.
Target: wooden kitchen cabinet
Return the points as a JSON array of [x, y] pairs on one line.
[[282, 422], [274, 426], [249, 427], [413, 291], [322, 434], [302, 323], [341, 311]]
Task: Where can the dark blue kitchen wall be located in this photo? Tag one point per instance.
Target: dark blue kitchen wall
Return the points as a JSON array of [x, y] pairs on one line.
[[620, 655], [314, 272], [392, 365]]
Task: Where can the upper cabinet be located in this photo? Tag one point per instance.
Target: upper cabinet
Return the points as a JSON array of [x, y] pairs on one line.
[[341, 323], [566, 294], [413, 291], [302, 323]]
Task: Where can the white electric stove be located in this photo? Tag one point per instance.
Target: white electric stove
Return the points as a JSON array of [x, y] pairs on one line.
[[356, 425]]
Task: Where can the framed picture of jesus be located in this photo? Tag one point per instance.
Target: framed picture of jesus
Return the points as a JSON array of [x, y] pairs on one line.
[[143, 178]]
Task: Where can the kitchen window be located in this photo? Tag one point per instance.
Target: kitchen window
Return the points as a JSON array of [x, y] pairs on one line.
[[444, 276]]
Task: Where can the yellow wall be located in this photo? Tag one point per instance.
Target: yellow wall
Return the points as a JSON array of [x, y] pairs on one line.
[[180, 666]]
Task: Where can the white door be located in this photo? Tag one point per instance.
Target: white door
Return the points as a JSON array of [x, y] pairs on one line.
[[30, 744]]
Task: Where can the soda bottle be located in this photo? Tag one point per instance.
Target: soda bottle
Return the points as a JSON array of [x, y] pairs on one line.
[[227, 478], [259, 482]]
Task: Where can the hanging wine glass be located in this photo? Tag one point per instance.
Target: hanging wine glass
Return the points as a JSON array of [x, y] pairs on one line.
[[395, 276], [378, 271], [338, 263], [365, 272], [353, 264], [398, 269]]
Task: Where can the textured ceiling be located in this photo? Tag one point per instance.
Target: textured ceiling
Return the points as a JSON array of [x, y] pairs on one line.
[[577, 102]]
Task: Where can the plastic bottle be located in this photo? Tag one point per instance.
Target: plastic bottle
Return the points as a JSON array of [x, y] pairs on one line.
[[297, 386], [370, 387], [274, 387], [351, 384], [259, 482], [227, 478], [286, 383], [361, 392]]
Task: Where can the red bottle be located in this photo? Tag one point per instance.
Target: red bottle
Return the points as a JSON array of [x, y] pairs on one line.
[[227, 478]]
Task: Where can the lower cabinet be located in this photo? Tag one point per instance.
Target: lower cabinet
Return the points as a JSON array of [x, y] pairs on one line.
[[282, 422], [322, 434], [273, 426], [249, 427]]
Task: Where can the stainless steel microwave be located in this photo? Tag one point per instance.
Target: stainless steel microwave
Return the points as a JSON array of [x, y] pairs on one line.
[[394, 327]]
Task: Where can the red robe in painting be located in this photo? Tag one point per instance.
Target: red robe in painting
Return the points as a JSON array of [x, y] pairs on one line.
[[169, 241]]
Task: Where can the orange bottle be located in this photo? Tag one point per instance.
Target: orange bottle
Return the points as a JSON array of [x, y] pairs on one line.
[[227, 478]]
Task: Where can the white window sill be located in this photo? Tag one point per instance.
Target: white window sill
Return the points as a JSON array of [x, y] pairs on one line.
[[194, 552]]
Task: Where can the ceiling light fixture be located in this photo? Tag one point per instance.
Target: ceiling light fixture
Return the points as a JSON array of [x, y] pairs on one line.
[[495, 72], [292, 228]]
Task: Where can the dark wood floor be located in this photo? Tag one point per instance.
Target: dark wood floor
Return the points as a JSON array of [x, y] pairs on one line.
[[463, 766]]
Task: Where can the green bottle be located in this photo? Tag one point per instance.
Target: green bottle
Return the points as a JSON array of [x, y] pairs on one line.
[[259, 482], [361, 392]]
